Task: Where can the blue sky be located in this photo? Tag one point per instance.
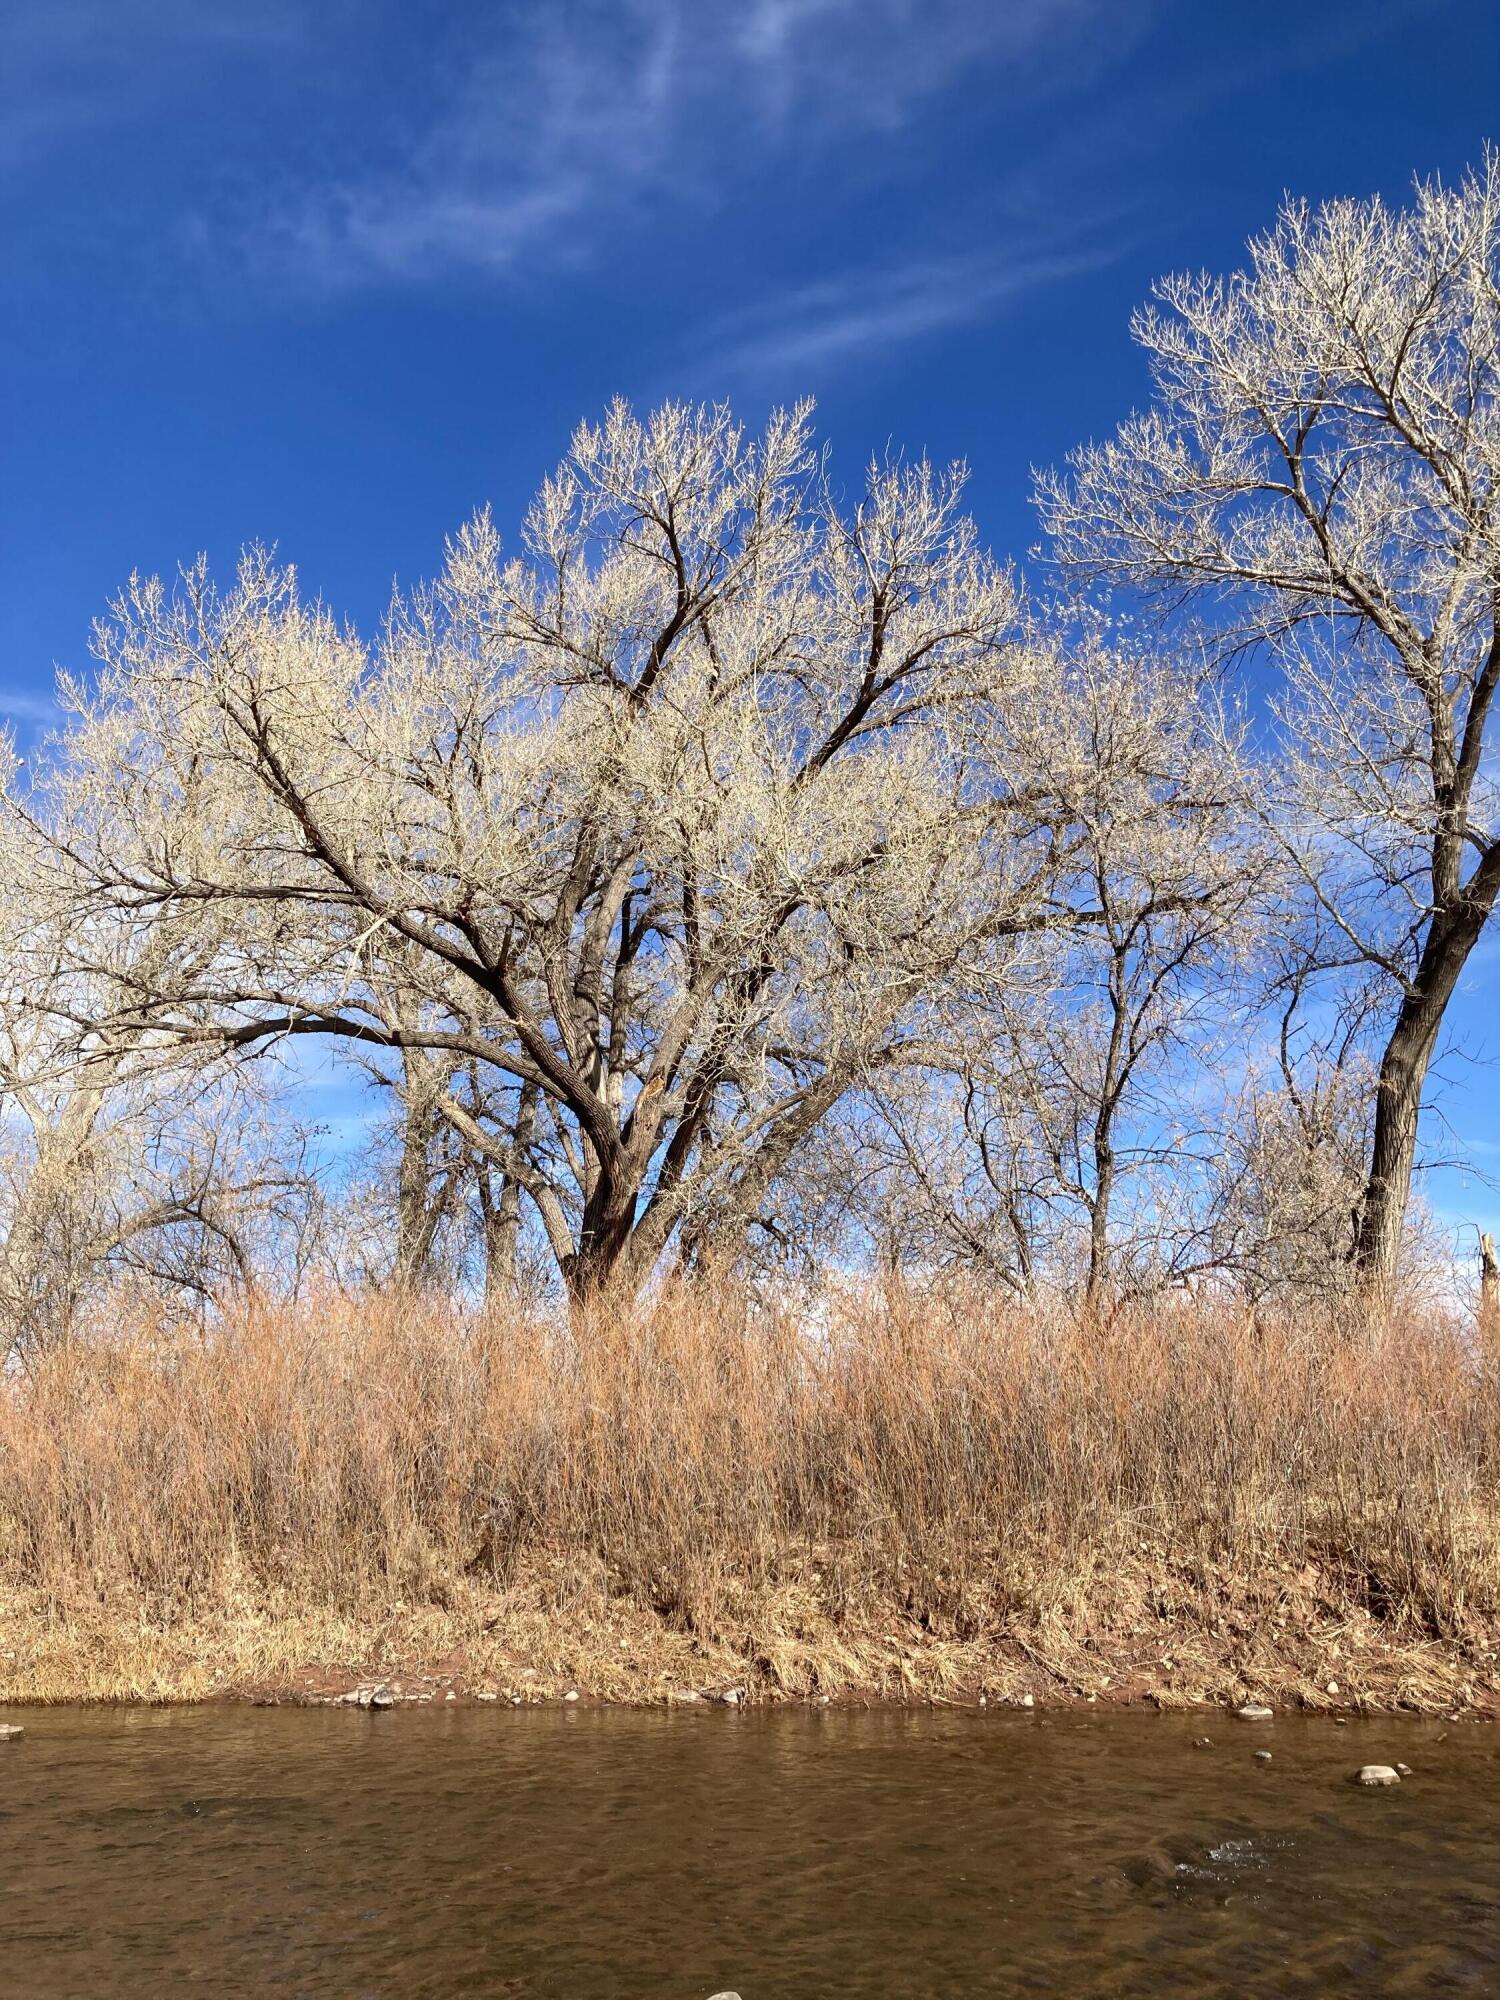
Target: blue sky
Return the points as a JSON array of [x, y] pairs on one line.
[[334, 272]]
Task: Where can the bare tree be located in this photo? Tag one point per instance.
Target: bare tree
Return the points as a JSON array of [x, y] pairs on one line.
[[1320, 467], [938, 1167], [665, 826], [1057, 1125], [118, 1157], [431, 1207], [1284, 1191], [1167, 870]]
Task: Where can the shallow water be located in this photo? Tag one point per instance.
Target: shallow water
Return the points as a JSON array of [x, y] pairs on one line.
[[788, 1855]]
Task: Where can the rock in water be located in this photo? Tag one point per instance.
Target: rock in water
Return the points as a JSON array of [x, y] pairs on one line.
[[1255, 1711], [382, 1698], [1377, 1774], [9, 1730], [723, 1996], [1262, 1756]]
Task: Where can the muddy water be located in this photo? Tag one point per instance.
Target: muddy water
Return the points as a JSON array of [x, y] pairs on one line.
[[788, 1855]]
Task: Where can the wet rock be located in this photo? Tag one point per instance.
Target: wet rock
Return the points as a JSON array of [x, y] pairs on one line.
[[1203, 1743], [1151, 1870], [382, 1698], [9, 1731], [571, 1695], [1377, 1774], [1254, 1711], [1262, 1756], [723, 1996], [1403, 1770], [732, 1697]]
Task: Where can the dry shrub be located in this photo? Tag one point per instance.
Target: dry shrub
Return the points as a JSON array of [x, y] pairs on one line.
[[974, 1461]]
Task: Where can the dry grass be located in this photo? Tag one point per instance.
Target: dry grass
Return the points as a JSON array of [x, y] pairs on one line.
[[890, 1493]]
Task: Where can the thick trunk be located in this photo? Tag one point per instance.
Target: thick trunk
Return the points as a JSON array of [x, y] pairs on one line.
[[604, 1244], [502, 1234], [418, 1210], [1398, 1097]]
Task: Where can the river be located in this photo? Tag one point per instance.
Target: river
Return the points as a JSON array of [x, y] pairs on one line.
[[593, 1854]]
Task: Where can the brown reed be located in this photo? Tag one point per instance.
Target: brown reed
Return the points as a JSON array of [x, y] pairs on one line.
[[782, 1485]]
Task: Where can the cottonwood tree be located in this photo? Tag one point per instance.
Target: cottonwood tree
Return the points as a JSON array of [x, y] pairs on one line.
[[1059, 1127], [1317, 475], [119, 1157], [1286, 1179], [1166, 872], [1283, 1197], [935, 1167], [432, 1208], [671, 820]]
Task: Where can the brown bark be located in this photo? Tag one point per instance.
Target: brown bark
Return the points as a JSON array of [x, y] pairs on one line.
[[420, 1208], [1489, 1294], [1398, 1098], [604, 1242], [1104, 1184]]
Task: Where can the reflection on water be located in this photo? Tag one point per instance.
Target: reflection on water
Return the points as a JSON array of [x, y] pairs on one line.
[[791, 1856]]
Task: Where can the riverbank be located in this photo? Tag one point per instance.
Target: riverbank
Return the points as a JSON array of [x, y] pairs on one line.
[[883, 1497], [1144, 1637]]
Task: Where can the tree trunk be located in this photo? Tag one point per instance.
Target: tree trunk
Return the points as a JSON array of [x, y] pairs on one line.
[[1489, 1294], [1117, 1066], [1104, 1187], [1398, 1097], [419, 1211], [501, 1221], [604, 1242]]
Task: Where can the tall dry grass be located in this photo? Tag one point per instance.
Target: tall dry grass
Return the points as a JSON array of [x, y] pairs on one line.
[[973, 1466]]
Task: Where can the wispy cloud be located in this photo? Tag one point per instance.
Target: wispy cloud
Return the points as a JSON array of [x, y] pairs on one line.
[[74, 66], [807, 327], [40, 710], [558, 121]]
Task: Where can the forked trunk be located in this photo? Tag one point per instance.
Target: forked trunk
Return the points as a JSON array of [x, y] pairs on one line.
[[604, 1246]]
